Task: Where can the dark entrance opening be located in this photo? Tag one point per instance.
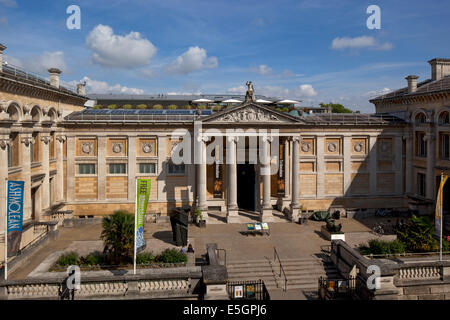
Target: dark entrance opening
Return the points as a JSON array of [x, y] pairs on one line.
[[246, 186]]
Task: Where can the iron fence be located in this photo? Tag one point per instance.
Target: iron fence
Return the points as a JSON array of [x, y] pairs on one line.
[[248, 290], [337, 289]]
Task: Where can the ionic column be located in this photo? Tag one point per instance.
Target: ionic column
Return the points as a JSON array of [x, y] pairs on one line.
[[430, 138], [4, 142], [26, 140], [295, 193], [232, 206], [201, 178], [45, 138], [266, 211], [59, 185], [408, 163]]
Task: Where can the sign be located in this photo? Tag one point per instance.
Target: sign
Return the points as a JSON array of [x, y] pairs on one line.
[[14, 218], [142, 195], [281, 172], [238, 292]]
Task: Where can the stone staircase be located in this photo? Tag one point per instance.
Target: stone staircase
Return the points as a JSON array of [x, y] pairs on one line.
[[301, 273]]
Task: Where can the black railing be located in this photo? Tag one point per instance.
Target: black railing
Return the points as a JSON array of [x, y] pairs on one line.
[[248, 290], [333, 289], [277, 257]]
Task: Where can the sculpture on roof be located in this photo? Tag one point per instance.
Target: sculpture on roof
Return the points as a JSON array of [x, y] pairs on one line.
[[250, 95]]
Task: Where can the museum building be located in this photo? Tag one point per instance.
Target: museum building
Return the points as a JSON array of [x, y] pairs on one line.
[[85, 161]]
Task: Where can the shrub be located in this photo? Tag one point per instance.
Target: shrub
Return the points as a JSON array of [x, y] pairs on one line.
[[93, 259], [383, 247], [118, 237], [187, 107], [127, 106], [67, 259], [418, 235], [145, 258], [216, 108], [157, 107], [201, 107], [112, 106], [97, 106], [142, 106], [172, 107], [172, 256]]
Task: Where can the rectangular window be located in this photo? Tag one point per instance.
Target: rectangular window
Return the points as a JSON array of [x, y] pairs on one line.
[[176, 168], [421, 145], [445, 147], [86, 168], [421, 186], [147, 167], [117, 168]]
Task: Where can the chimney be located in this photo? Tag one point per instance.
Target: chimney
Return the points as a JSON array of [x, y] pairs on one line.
[[439, 68], [2, 48], [81, 89], [412, 83], [54, 77]]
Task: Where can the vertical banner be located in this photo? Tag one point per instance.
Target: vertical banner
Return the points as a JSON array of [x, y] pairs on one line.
[[14, 218], [142, 195], [438, 211], [281, 171]]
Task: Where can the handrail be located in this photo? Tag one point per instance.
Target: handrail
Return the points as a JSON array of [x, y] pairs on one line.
[[275, 256]]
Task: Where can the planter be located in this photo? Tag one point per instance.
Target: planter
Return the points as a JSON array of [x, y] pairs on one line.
[[332, 236]]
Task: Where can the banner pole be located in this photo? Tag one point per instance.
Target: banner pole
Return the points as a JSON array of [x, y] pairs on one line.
[[6, 229], [441, 217], [135, 227]]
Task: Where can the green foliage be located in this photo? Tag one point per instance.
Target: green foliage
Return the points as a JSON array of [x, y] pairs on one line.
[[172, 256], [201, 107], [216, 108], [336, 107], [172, 107], [145, 258], [127, 106], [67, 259], [418, 235], [157, 107], [112, 106], [142, 106], [118, 237], [187, 107], [97, 106], [383, 247], [93, 259], [198, 214]]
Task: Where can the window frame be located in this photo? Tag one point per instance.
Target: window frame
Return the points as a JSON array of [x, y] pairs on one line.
[[421, 146], [86, 164], [171, 164], [421, 184], [110, 165], [155, 165]]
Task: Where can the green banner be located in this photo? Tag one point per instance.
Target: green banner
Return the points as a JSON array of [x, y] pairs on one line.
[[142, 195]]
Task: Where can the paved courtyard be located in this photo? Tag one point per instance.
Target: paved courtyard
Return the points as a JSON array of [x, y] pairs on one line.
[[291, 241]]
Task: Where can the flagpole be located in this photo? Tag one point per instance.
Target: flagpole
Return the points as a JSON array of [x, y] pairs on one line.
[[441, 217], [135, 226], [6, 229]]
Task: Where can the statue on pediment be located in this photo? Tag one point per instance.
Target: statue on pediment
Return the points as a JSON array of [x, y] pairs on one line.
[[250, 95]]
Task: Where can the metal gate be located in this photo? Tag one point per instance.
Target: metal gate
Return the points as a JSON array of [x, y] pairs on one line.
[[248, 290]]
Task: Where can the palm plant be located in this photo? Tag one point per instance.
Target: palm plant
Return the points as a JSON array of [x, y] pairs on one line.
[[118, 237], [418, 235]]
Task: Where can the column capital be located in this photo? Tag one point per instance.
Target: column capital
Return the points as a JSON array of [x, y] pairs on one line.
[[27, 140], [295, 138], [46, 139], [430, 137], [4, 142], [232, 138], [202, 138], [61, 138], [267, 138]]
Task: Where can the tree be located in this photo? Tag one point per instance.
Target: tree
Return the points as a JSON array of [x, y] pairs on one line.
[[418, 235], [336, 107], [118, 237], [127, 106], [142, 106], [157, 107], [172, 107], [112, 106]]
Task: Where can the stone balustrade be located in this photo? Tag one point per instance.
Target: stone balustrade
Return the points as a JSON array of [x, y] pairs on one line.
[[419, 273]]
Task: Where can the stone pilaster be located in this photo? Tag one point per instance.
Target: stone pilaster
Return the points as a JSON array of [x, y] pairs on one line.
[[101, 168], [266, 210], [162, 173], [4, 142], [320, 156], [295, 194], [347, 164], [201, 178], [398, 164], [431, 157], [373, 164], [26, 140], [59, 185], [232, 206], [408, 163], [132, 170], [70, 168], [45, 199]]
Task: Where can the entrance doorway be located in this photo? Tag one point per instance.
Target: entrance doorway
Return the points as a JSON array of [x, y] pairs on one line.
[[33, 203], [246, 187]]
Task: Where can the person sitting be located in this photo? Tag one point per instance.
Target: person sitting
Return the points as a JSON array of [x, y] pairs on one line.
[[183, 250], [190, 248]]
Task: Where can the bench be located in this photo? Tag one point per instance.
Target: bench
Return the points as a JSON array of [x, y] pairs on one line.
[[257, 228]]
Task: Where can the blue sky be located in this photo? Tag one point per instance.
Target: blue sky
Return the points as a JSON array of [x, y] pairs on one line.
[[315, 51]]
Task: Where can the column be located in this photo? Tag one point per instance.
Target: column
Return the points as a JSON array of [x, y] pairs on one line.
[[201, 176], [320, 167], [132, 172], [398, 164], [347, 165], [26, 140], [232, 206], [4, 142], [70, 168], [266, 211], [431, 180], [408, 163], [295, 194], [101, 168], [287, 168], [45, 138], [59, 185], [373, 164]]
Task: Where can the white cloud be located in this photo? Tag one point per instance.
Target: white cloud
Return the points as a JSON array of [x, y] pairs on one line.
[[195, 58], [41, 64], [376, 93], [110, 50], [305, 90], [359, 43], [262, 69], [237, 90], [94, 86]]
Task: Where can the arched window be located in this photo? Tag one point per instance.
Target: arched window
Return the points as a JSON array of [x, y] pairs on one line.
[[13, 111], [421, 118], [35, 115], [444, 118], [52, 114]]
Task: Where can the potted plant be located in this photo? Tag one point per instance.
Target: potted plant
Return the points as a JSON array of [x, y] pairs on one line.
[[198, 218]]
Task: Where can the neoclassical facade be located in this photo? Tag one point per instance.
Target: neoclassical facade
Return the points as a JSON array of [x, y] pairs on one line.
[[265, 162]]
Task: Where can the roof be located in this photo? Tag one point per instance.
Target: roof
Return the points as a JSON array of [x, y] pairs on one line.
[[424, 87]]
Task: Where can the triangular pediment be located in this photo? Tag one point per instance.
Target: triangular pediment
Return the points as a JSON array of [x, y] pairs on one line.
[[251, 113]]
